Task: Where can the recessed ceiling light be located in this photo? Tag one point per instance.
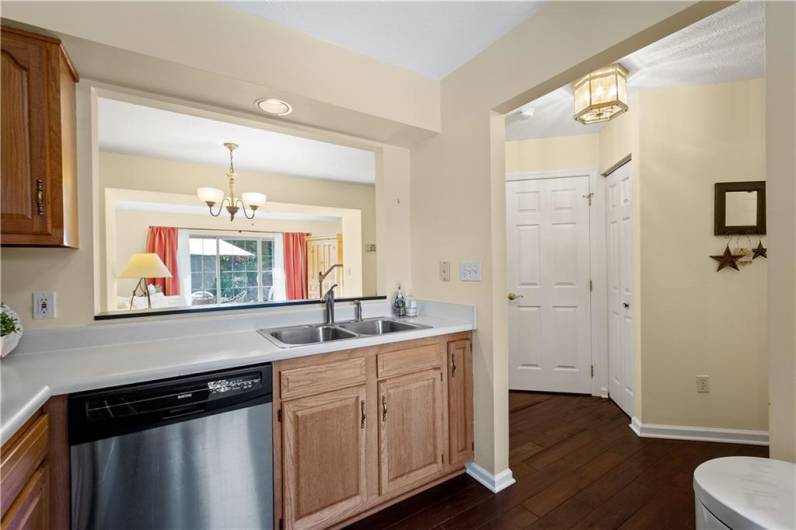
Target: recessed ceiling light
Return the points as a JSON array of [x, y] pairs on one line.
[[274, 106]]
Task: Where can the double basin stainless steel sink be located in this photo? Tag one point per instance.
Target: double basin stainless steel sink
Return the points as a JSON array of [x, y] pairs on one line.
[[318, 333]]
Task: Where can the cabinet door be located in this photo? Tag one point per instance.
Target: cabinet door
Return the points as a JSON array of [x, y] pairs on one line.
[[460, 401], [24, 122], [30, 510], [410, 434], [323, 441]]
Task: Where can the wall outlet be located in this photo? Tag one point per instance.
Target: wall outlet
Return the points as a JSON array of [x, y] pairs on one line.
[[444, 271], [43, 305], [703, 384], [470, 271]]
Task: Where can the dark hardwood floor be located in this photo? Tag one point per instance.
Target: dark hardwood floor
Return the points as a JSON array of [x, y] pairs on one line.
[[577, 465]]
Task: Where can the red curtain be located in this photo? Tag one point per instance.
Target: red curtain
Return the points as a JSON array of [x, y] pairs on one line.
[[296, 265], [162, 240]]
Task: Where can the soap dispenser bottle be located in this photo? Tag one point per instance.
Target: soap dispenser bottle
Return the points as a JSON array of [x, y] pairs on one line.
[[399, 303]]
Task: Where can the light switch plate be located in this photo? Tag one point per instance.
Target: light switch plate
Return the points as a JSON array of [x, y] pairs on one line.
[[470, 271], [43, 305], [445, 271]]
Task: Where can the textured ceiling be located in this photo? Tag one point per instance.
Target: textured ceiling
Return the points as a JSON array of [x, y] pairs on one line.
[[428, 37], [727, 46]]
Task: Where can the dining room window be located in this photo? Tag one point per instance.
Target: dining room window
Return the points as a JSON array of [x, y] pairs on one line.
[[231, 269]]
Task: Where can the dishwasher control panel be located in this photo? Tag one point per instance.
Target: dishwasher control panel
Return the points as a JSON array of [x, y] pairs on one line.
[[234, 384]]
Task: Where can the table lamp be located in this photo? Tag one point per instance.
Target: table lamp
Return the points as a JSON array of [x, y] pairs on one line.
[[142, 266]]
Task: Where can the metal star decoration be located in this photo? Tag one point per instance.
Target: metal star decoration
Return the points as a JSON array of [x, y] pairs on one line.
[[727, 259], [760, 251]]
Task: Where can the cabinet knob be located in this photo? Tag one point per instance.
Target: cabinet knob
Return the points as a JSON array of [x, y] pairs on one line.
[[383, 408], [362, 410], [626, 305], [453, 365]]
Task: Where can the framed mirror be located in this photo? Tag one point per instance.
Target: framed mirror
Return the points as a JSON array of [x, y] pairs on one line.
[[740, 208]]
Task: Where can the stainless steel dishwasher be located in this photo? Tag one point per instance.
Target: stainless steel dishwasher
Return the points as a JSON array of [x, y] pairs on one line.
[[183, 453]]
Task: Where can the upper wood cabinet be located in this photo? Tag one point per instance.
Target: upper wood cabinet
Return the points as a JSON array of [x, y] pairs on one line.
[[38, 168], [323, 440], [460, 401], [410, 433]]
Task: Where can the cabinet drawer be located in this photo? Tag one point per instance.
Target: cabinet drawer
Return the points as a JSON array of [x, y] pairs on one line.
[[30, 509], [309, 380], [20, 459], [409, 360]]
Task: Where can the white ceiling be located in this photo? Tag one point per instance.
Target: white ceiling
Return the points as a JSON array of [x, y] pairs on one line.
[[135, 129], [427, 37], [726, 46]]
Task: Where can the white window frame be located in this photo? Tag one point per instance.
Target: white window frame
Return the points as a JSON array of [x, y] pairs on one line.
[[278, 261]]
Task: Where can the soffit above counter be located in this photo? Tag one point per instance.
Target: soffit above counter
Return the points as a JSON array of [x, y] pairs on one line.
[[221, 56]]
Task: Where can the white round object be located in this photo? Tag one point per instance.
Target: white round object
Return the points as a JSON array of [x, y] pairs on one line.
[[274, 106], [748, 493]]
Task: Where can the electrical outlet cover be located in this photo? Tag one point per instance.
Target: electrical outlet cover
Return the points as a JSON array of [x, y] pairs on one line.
[[43, 305], [470, 271]]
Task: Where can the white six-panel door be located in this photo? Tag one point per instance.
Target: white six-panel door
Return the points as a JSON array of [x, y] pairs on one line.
[[619, 236], [548, 277]]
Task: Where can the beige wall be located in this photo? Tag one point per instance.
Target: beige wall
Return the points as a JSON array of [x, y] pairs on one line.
[[171, 176], [271, 58], [781, 167], [458, 176], [617, 136], [393, 228], [552, 154], [695, 320]]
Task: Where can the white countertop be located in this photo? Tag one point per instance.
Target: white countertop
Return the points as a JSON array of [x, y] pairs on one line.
[[29, 379]]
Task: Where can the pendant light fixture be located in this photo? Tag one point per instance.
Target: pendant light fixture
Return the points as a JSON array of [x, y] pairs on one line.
[[213, 196], [601, 95]]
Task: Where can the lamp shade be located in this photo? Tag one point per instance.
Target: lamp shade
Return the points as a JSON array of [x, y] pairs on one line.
[[211, 195], [145, 265], [252, 198]]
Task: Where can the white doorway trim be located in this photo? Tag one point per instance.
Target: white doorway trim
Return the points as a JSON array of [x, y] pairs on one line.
[[597, 268]]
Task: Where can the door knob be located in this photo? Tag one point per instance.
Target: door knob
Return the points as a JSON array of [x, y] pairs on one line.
[[514, 296]]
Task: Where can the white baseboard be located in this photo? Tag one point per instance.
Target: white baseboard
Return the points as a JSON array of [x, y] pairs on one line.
[[493, 483], [701, 434]]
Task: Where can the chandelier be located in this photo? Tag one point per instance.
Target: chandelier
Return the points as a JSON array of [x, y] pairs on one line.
[[601, 95], [232, 203]]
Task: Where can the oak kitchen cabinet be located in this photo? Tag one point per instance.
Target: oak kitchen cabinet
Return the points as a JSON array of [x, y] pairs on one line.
[[38, 167], [34, 472], [357, 430], [460, 401]]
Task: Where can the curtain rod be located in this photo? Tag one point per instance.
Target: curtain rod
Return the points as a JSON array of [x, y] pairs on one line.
[[233, 230]]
